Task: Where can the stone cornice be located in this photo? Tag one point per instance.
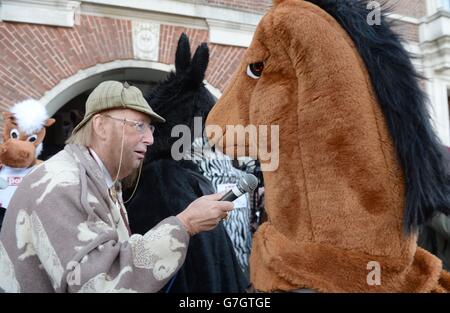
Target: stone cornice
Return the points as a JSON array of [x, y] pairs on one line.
[[47, 12]]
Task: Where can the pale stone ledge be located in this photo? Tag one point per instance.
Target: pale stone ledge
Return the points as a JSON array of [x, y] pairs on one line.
[[47, 12]]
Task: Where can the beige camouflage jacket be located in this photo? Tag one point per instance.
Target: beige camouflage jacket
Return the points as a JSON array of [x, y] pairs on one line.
[[61, 233]]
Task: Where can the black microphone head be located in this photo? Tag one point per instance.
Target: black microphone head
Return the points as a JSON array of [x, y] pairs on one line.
[[248, 183]]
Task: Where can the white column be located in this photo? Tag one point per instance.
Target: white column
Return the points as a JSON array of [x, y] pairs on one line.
[[432, 6], [48, 12], [437, 91]]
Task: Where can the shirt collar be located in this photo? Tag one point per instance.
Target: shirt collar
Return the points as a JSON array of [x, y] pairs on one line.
[[109, 181]]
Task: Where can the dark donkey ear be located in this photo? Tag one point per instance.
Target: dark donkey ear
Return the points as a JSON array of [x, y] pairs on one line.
[[183, 54], [199, 64]]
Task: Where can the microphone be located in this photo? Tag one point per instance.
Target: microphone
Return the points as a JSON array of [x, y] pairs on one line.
[[247, 183]]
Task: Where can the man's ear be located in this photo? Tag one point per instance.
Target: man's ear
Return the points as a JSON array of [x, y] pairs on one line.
[[99, 127], [49, 122]]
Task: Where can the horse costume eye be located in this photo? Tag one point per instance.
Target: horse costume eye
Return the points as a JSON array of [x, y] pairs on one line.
[[14, 133], [255, 70], [32, 138]]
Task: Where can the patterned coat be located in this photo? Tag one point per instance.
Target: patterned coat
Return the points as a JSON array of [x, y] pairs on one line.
[[62, 232]]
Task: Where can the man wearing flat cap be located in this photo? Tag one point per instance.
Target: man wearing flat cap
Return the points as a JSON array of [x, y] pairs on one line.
[[66, 228]]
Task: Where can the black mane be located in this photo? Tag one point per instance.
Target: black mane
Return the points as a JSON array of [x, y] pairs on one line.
[[396, 84]]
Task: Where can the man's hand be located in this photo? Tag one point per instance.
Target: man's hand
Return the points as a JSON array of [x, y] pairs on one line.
[[205, 213]]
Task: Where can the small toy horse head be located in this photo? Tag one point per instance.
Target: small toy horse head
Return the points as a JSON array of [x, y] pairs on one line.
[[181, 97], [23, 133]]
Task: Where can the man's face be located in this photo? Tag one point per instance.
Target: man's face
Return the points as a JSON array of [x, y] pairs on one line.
[[135, 139]]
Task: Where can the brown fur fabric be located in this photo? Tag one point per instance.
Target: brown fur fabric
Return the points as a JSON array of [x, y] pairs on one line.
[[336, 201]]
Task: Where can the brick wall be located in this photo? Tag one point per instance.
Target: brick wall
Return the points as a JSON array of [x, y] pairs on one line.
[[413, 8], [169, 39], [410, 8], [407, 31], [35, 58], [250, 5]]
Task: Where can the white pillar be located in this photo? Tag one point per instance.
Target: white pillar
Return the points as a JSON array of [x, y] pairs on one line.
[[432, 6], [446, 4], [437, 91]]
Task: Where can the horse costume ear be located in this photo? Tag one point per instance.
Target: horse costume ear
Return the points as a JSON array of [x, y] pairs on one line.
[[199, 64], [183, 54]]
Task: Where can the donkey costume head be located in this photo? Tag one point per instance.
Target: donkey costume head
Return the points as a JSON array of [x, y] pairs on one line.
[[181, 97], [359, 165], [23, 133]]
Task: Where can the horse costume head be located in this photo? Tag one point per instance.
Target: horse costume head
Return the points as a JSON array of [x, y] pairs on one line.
[[181, 97], [359, 165], [23, 133]]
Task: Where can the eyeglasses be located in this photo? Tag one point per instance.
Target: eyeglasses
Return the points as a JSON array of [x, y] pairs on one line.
[[139, 126]]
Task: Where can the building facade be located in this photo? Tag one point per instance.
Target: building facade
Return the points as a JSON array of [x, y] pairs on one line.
[[57, 51]]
